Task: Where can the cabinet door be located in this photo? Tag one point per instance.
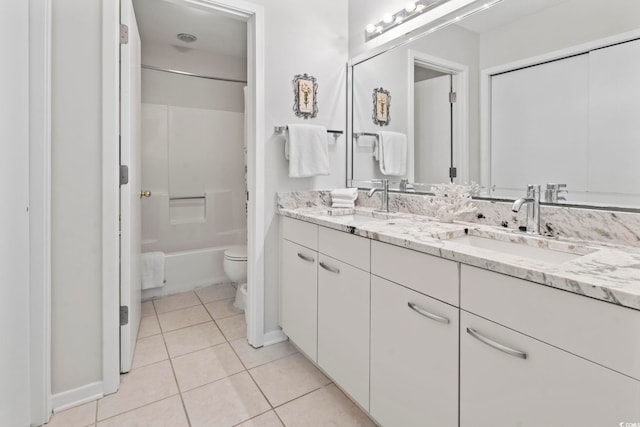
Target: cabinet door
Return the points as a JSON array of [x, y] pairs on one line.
[[299, 296], [510, 379], [414, 358], [343, 326]]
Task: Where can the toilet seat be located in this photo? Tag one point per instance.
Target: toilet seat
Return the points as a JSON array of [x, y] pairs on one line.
[[236, 253]]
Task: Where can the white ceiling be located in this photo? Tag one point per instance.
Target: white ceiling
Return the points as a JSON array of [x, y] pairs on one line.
[[159, 21], [505, 12]]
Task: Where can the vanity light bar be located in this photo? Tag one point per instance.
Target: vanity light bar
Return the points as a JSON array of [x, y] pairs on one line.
[[410, 11], [391, 21]]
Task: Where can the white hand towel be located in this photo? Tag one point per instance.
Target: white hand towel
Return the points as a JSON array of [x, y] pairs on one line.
[[342, 199], [392, 153], [307, 149], [152, 270], [344, 193]]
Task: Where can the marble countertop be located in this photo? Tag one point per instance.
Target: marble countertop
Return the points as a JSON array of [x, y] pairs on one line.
[[602, 271]]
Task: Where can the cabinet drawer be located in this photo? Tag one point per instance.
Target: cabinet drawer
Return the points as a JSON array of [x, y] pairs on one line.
[[596, 330], [549, 387], [354, 250], [423, 273], [300, 232], [414, 358]]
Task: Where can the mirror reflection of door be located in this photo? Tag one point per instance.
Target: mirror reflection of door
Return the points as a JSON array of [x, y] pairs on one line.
[[433, 125]]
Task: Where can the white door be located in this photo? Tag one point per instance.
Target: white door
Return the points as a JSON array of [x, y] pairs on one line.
[[432, 114], [130, 193], [14, 216]]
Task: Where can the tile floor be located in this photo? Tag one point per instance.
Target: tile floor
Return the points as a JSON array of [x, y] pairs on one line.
[[193, 367]]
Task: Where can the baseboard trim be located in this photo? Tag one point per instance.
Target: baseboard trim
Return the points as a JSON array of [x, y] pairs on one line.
[[77, 396], [274, 337]]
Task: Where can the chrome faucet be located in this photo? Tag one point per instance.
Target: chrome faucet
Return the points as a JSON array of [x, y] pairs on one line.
[[533, 208], [384, 206], [552, 193]]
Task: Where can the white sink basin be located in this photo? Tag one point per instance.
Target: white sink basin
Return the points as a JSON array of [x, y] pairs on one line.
[[523, 250]]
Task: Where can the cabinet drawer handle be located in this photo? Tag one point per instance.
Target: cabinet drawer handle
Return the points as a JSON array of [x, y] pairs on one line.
[[305, 257], [426, 314], [329, 268], [496, 345]]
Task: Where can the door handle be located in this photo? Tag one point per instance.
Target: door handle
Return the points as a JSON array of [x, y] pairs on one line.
[[146, 193], [496, 345], [305, 257], [329, 268], [426, 314]]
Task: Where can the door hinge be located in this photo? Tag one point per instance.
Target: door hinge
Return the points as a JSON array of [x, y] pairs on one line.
[[453, 172], [124, 34], [124, 174], [124, 315], [453, 97]]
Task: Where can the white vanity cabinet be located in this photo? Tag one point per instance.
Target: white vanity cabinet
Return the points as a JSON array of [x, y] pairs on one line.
[[299, 284], [414, 338], [513, 377], [343, 311]]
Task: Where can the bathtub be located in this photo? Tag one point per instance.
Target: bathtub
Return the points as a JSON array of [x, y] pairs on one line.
[[190, 269]]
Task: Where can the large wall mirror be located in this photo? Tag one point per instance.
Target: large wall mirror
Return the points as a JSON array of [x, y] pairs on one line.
[[524, 92]]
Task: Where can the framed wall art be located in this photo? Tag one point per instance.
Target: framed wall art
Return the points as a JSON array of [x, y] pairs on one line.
[[381, 105], [305, 89]]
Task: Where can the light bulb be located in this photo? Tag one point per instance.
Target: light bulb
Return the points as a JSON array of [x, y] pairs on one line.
[[398, 20], [420, 8], [379, 28], [410, 7], [371, 28], [388, 18]]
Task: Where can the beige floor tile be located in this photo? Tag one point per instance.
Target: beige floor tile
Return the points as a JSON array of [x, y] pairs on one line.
[[149, 350], [269, 419], [325, 407], [175, 302], [80, 416], [139, 387], [223, 308], [288, 378], [165, 413], [252, 357], [182, 318], [148, 309], [225, 403], [148, 326], [233, 327], [216, 293], [206, 366], [193, 338]]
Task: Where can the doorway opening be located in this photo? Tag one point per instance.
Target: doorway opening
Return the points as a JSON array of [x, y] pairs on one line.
[[201, 154], [438, 119]]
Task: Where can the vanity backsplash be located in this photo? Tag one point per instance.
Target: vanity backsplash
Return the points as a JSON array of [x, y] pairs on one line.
[[622, 228]]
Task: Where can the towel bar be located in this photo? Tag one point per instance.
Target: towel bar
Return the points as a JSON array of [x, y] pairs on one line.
[[187, 198], [281, 129]]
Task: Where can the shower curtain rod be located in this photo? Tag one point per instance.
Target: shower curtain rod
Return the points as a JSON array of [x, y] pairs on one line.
[[184, 73]]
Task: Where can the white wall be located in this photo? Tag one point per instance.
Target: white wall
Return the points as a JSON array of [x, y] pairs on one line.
[[14, 187], [300, 37], [76, 323], [568, 24]]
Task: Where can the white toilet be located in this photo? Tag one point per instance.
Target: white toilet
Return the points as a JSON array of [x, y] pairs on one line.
[[235, 267]]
